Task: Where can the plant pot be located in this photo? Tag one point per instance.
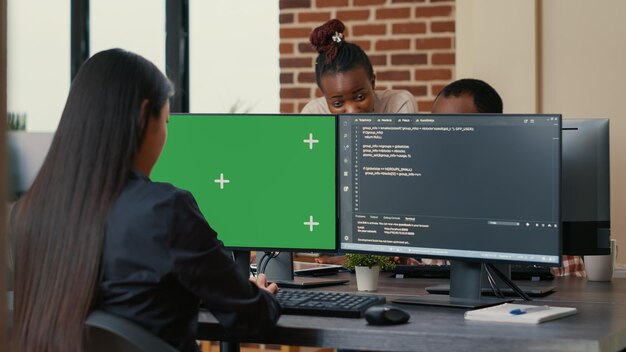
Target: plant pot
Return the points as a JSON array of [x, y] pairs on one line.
[[367, 278]]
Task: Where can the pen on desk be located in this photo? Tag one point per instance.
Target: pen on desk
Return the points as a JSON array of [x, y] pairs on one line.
[[529, 310]]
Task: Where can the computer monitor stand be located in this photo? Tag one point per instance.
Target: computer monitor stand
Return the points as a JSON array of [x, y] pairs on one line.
[[280, 270], [535, 289], [465, 289]]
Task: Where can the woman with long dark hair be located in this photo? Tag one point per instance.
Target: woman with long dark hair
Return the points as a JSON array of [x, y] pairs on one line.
[[94, 232]]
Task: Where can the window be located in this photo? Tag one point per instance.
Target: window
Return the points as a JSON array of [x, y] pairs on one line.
[[38, 61]]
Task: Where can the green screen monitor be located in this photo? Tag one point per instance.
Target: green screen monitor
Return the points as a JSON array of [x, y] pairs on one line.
[[263, 182]]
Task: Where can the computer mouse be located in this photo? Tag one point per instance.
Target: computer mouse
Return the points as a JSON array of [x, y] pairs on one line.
[[386, 314]]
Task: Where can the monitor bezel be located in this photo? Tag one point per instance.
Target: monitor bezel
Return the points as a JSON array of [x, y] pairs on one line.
[[276, 249], [448, 257]]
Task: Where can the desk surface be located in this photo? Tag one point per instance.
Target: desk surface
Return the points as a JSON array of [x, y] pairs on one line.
[[600, 324]]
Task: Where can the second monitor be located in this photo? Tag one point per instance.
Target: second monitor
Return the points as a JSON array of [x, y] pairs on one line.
[[472, 188], [263, 182]]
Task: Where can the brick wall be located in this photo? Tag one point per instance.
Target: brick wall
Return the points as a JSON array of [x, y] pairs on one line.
[[410, 43]]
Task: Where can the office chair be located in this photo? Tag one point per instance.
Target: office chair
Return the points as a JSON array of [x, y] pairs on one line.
[[109, 332]]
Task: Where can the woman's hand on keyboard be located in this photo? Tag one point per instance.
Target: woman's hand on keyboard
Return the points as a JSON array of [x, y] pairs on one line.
[[261, 281]]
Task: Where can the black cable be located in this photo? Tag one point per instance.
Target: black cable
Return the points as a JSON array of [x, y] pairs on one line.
[[510, 283], [264, 261], [493, 284], [269, 256], [260, 269]]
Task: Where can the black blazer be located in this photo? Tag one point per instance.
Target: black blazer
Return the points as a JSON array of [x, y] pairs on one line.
[[161, 258]]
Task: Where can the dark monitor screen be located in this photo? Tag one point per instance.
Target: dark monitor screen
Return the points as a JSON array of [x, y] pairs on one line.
[[585, 195], [263, 182], [467, 187]]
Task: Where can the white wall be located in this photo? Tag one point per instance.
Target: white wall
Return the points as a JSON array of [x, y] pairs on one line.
[[495, 42], [233, 49], [579, 67], [584, 75]]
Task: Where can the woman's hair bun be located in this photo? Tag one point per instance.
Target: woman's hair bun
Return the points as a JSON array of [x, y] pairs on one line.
[[328, 37]]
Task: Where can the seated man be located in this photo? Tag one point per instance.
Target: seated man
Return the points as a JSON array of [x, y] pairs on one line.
[[466, 96], [459, 97]]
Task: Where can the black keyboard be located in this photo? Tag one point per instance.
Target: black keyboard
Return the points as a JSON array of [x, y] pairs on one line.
[[326, 304]]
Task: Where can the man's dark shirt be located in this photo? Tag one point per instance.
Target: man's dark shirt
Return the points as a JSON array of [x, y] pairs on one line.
[[161, 257]]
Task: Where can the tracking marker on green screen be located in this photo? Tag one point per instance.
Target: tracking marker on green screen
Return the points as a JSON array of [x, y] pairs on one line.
[[261, 181]]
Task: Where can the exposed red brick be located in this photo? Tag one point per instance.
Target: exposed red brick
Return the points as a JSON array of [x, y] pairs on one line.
[[306, 77], [378, 60], [433, 43], [436, 88], [433, 11], [408, 27], [285, 48], [306, 48], [294, 93], [432, 74], [383, 13], [415, 52], [331, 3], [296, 62], [368, 2], [286, 78], [285, 18], [292, 4], [393, 75], [352, 15], [417, 91], [286, 108], [443, 59], [364, 44], [369, 29], [299, 32], [424, 106], [409, 59], [393, 44], [440, 27], [313, 16]]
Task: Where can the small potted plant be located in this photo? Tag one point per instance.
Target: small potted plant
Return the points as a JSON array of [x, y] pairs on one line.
[[367, 268]]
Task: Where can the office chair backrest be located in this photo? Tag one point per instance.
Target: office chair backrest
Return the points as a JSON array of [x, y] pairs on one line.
[[109, 332]]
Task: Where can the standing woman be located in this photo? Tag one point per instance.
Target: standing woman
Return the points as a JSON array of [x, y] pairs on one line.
[[346, 77], [94, 232]]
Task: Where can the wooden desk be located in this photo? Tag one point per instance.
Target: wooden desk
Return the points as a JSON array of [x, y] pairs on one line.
[[600, 324]]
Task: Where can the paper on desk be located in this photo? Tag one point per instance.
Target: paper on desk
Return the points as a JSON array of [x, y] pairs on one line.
[[502, 313]]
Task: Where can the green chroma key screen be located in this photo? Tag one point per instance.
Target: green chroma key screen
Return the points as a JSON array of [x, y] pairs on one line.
[[261, 181]]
